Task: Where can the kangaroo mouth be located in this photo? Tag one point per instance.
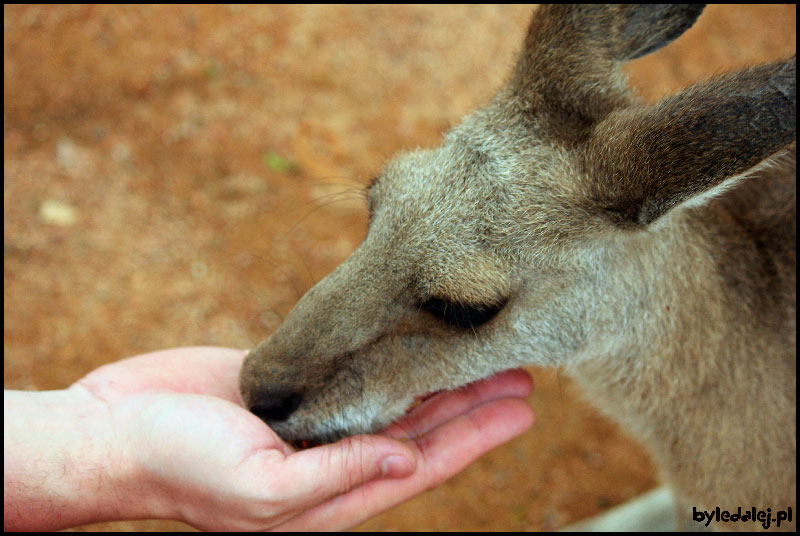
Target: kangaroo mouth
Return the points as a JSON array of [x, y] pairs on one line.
[[303, 444], [419, 400], [334, 435]]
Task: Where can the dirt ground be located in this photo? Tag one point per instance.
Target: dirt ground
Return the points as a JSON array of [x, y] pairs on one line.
[[181, 175]]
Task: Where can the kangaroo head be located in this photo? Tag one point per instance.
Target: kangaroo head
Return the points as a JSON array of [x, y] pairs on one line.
[[505, 246]]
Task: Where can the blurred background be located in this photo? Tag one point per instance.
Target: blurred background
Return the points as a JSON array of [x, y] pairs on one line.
[[181, 175]]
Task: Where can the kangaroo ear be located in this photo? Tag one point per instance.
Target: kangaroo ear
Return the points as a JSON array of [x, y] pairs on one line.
[[644, 28], [572, 54], [644, 160]]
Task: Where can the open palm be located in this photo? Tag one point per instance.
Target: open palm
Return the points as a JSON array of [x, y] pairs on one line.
[[178, 419]]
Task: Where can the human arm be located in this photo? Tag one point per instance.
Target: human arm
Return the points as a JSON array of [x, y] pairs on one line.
[[164, 436]]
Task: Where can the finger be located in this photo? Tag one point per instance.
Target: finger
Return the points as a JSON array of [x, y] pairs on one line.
[[441, 454], [475, 433], [444, 406], [204, 370], [315, 475]]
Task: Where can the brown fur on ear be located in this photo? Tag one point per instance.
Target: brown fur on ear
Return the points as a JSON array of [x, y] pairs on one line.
[[643, 161], [568, 70]]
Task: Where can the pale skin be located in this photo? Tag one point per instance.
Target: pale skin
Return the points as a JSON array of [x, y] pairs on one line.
[[164, 436]]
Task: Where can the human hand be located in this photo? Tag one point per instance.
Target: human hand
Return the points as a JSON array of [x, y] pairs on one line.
[[180, 446]]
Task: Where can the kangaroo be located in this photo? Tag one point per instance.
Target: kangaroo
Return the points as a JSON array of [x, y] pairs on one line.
[[649, 250]]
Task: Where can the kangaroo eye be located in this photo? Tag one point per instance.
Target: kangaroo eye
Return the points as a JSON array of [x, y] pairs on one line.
[[461, 315]]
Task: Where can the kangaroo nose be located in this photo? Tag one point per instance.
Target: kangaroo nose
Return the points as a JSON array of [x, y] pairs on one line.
[[276, 407]]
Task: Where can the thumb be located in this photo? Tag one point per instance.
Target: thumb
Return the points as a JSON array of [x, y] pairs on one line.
[[327, 471]]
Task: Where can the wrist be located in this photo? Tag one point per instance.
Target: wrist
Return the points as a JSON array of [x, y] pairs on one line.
[[64, 464]]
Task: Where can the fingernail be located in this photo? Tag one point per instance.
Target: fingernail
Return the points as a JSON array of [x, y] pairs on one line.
[[396, 467]]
